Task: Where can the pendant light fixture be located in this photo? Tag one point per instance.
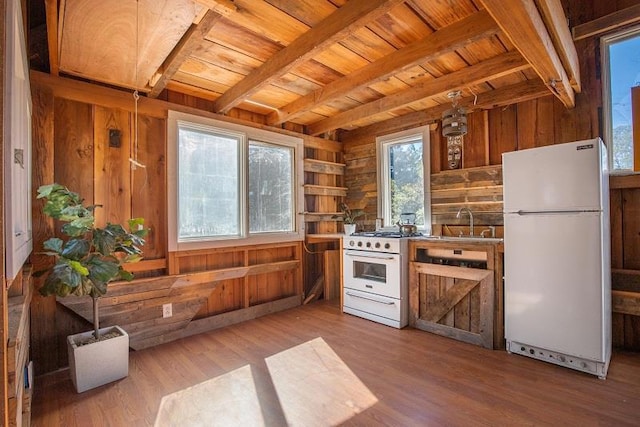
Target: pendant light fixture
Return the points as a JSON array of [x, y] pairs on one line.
[[454, 127], [454, 120]]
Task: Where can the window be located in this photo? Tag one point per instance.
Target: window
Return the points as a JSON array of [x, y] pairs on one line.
[[403, 175], [230, 183], [621, 72]]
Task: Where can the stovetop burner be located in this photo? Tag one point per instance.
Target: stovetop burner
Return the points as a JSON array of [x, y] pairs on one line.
[[390, 234]]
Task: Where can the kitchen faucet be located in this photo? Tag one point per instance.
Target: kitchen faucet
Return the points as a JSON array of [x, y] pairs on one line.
[[470, 219]]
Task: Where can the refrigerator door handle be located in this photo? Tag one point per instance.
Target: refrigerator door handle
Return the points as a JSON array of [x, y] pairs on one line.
[[523, 212]]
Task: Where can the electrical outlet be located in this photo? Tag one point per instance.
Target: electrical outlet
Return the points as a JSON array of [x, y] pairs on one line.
[[167, 310]]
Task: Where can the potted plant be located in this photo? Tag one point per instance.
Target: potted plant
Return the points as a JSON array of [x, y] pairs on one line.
[[86, 261], [348, 218]]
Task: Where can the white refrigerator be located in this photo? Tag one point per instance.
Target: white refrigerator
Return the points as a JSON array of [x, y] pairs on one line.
[[557, 290]]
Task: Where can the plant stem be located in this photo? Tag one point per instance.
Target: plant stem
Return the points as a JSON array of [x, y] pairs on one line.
[[96, 318]]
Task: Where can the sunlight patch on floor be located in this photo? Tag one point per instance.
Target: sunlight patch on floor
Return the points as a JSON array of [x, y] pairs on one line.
[[315, 387], [229, 399]]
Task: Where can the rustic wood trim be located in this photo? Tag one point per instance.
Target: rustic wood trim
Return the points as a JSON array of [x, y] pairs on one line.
[[625, 280], [223, 7], [322, 144], [609, 22], [330, 30], [465, 31], [51, 11], [220, 321], [489, 69], [556, 22], [92, 94], [522, 23], [512, 94], [450, 332], [324, 190], [619, 182], [146, 265], [435, 310], [321, 166], [189, 42], [625, 302], [321, 216]]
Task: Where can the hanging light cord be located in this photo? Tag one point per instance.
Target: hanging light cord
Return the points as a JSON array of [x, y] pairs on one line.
[[136, 97]]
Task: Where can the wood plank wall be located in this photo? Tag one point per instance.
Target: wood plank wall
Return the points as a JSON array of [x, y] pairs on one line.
[[535, 123], [209, 288]]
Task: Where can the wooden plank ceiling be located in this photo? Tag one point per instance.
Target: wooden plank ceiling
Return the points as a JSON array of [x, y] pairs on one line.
[[323, 64]]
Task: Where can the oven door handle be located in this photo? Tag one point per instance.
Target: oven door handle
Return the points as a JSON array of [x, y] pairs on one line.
[[370, 299], [369, 255]]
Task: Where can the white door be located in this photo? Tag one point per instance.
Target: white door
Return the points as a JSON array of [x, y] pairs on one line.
[[556, 177], [554, 283]]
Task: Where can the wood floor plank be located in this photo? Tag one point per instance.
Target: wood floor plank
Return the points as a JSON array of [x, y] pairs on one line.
[[313, 365]]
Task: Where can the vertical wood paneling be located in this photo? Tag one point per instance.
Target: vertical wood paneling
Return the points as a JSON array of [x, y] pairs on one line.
[[545, 125], [631, 228], [502, 133], [42, 309], [112, 168], [475, 143], [148, 186], [615, 224], [526, 113], [74, 147]]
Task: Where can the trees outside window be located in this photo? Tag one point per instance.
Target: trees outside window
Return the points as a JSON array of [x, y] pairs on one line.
[[230, 183], [621, 72], [403, 175]]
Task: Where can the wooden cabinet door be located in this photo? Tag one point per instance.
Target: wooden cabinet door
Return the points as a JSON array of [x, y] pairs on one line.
[[456, 302]]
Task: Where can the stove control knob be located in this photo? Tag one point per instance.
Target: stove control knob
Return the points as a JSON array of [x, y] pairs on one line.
[[377, 245], [368, 244], [351, 243], [359, 243], [387, 246]]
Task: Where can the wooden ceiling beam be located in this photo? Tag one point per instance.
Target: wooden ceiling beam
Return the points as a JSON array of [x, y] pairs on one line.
[[522, 23], [51, 12], [223, 7], [468, 30], [495, 67], [354, 14], [513, 94], [614, 20], [190, 41], [558, 26]]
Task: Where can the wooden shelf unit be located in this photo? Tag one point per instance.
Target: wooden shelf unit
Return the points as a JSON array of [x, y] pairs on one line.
[[323, 189], [18, 353]]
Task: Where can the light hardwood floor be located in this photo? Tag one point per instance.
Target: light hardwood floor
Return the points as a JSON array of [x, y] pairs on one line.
[[313, 365]]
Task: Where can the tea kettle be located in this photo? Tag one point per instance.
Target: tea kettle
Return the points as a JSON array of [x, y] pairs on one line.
[[407, 224]]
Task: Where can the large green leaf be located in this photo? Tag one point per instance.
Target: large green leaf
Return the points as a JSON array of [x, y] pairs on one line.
[[61, 280], [104, 241], [76, 249], [78, 267], [53, 244], [102, 269]]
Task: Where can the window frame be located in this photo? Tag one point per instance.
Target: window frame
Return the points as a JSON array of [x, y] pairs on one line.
[[607, 121], [248, 134], [384, 202]]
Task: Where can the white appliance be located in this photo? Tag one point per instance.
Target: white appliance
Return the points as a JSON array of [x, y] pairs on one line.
[[557, 255], [375, 277]]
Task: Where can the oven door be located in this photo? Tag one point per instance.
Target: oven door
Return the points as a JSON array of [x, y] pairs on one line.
[[374, 272]]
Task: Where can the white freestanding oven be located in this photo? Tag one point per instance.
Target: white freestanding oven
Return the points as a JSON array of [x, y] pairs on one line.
[[375, 277]]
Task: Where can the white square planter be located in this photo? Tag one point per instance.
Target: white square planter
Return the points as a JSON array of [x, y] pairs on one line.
[[98, 363]]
